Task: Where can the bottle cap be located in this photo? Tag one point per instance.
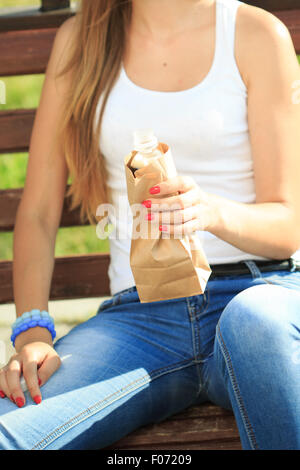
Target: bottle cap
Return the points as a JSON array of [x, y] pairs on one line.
[[144, 140]]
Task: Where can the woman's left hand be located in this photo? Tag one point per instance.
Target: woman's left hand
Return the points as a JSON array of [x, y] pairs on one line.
[[180, 207]]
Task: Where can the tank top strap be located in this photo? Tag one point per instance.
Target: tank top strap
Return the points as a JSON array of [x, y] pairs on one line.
[[227, 14]]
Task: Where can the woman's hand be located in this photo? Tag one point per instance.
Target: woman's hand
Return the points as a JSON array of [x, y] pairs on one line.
[[37, 362], [180, 207]]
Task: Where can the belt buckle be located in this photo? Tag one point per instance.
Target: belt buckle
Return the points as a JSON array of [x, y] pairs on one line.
[[293, 265]]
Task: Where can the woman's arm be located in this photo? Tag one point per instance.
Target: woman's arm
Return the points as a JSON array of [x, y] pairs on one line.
[[36, 226], [270, 69], [271, 226], [40, 209]]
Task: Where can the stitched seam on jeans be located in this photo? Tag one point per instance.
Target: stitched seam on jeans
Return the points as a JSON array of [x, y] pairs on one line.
[[195, 340], [195, 335], [108, 400], [242, 408], [205, 303]]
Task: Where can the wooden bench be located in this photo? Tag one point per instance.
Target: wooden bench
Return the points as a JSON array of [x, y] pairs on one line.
[[25, 43]]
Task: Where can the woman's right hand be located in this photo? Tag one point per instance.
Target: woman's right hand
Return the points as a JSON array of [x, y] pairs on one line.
[[37, 362]]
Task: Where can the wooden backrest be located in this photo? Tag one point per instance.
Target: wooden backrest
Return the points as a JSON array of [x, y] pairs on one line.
[[25, 45]]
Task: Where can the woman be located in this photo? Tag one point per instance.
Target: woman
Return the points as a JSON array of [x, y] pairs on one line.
[[216, 80]]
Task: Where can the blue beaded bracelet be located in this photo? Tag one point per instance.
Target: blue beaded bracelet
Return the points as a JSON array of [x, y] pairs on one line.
[[30, 320]]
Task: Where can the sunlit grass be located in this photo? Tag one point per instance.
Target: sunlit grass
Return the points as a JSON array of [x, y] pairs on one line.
[[23, 91], [69, 241], [19, 3]]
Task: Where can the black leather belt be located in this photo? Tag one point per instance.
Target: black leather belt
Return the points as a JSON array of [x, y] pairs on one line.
[[232, 269]]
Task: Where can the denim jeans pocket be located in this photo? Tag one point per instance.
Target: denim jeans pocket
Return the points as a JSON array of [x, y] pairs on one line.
[[285, 278]]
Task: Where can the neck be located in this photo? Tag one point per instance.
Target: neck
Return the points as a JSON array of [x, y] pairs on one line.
[[164, 18]]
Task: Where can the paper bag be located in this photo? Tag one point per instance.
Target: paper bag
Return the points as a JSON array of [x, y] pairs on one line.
[[163, 268]]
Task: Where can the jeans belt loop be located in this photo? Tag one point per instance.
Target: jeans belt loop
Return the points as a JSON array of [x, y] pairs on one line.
[[253, 268]]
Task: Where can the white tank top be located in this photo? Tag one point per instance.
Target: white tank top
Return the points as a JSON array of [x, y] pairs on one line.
[[207, 130]]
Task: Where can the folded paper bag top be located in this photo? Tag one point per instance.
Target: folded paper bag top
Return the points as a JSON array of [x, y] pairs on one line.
[[163, 268]]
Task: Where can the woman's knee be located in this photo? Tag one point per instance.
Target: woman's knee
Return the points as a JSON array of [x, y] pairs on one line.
[[260, 316]]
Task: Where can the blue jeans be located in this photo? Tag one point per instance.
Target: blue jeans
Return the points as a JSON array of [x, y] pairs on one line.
[[237, 345]]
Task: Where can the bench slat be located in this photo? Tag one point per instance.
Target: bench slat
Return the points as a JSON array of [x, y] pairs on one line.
[[9, 202], [15, 130], [74, 277], [291, 18], [198, 427], [12, 19], [27, 51], [273, 5]]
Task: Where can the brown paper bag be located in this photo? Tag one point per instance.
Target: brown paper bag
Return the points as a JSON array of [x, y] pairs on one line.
[[163, 268]]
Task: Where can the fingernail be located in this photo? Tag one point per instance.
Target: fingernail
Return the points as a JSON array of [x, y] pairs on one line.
[[163, 228], [147, 204], [19, 402], [2, 394], [40, 381], [37, 399], [149, 216], [154, 190]]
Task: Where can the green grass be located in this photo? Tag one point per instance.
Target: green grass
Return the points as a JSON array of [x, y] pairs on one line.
[[23, 91], [18, 3]]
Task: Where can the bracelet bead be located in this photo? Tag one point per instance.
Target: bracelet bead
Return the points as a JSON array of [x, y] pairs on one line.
[[35, 311], [32, 319]]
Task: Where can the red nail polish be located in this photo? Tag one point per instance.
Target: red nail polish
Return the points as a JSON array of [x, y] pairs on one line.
[[155, 190], [40, 381], [149, 216], [19, 402], [2, 394], [147, 204], [163, 228], [37, 399]]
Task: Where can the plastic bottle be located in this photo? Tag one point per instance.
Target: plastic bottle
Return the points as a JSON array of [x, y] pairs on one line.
[[147, 147]]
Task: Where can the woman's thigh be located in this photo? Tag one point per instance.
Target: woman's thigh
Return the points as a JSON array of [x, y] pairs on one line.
[[227, 291], [254, 365], [130, 365]]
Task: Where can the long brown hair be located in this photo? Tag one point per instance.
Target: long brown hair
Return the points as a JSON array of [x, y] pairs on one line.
[[95, 58]]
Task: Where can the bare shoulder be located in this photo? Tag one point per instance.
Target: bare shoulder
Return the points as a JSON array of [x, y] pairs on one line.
[[262, 41], [64, 39], [261, 24], [67, 29]]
